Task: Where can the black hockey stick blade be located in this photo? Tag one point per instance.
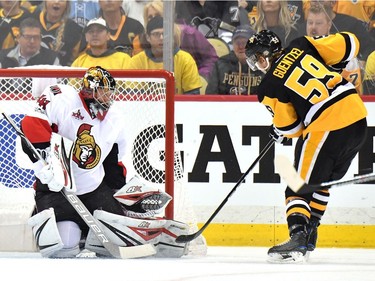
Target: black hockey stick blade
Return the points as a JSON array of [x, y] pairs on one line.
[[189, 237], [287, 171]]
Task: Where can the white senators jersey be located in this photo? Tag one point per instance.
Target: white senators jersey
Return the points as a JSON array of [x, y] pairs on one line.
[[60, 109]]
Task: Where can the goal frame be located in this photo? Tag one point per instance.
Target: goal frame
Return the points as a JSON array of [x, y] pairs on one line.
[[118, 73]]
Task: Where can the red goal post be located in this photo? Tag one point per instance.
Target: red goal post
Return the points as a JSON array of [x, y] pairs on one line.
[[148, 94]]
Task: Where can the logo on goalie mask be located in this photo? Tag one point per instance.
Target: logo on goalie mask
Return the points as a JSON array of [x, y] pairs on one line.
[[98, 77], [98, 91]]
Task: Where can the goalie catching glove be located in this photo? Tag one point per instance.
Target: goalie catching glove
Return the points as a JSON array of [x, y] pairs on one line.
[[277, 135], [141, 200]]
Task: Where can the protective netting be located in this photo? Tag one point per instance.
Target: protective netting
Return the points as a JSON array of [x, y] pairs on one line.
[[11, 174]]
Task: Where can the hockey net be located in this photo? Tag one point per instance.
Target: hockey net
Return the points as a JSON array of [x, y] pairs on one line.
[[146, 99]]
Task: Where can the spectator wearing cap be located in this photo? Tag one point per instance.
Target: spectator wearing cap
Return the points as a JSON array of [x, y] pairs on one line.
[[98, 53], [231, 74], [185, 68]]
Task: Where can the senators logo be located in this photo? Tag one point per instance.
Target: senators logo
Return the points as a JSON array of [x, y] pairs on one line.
[[86, 152]]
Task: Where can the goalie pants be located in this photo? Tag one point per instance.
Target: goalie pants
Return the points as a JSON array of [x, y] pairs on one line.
[[99, 199], [322, 157]]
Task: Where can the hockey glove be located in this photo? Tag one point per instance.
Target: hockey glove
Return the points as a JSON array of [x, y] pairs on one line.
[[277, 136], [339, 67], [46, 176]]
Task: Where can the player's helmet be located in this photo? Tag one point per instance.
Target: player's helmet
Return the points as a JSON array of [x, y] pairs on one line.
[[98, 90], [264, 43]]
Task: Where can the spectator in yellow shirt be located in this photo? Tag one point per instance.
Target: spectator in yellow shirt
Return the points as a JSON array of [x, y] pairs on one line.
[[97, 36], [185, 68], [369, 81]]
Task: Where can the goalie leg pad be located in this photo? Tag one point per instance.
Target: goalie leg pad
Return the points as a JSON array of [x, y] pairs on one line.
[[55, 240], [167, 246], [124, 231], [46, 233]]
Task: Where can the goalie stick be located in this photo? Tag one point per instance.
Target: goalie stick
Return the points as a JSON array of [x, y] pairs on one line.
[[287, 171], [115, 250], [189, 237]]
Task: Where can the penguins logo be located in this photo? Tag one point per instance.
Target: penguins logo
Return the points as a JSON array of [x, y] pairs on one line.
[[86, 152]]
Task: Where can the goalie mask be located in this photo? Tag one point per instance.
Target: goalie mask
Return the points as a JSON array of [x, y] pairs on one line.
[[98, 91], [264, 44]]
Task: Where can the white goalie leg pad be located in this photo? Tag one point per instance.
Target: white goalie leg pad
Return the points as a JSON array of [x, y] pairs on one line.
[[70, 234], [167, 246], [46, 233], [125, 231]]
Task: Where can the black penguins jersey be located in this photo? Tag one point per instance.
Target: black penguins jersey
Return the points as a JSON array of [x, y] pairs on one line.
[[305, 94]]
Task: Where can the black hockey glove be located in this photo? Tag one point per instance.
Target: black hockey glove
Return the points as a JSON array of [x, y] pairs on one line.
[[339, 67], [277, 136]]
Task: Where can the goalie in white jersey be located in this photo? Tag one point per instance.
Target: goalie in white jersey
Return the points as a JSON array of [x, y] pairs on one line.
[[98, 136]]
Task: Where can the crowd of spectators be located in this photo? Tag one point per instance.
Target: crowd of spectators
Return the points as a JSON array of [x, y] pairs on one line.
[[68, 33]]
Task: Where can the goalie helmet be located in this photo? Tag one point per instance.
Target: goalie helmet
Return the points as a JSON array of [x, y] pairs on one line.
[[264, 43], [98, 91]]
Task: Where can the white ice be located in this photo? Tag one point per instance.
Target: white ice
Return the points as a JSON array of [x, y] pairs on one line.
[[220, 263]]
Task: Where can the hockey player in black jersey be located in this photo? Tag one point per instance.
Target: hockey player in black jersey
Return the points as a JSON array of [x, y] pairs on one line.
[[311, 101]]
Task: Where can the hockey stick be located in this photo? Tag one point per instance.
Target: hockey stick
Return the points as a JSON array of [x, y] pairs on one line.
[[190, 237], [294, 181], [92, 223]]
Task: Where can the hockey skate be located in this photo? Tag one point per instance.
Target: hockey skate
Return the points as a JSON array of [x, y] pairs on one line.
[[291, 251], [312, 230]]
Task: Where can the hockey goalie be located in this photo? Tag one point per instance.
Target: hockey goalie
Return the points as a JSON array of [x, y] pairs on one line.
[[130, 214]]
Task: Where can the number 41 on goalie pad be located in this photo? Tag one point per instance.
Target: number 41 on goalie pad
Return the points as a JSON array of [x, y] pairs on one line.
[[61, 151]]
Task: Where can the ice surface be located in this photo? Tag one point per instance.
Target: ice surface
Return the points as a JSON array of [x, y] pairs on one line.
[[221, 263]]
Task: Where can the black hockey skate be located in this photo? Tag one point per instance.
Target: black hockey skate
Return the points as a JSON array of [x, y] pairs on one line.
[[291, 251], [312, 230]]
